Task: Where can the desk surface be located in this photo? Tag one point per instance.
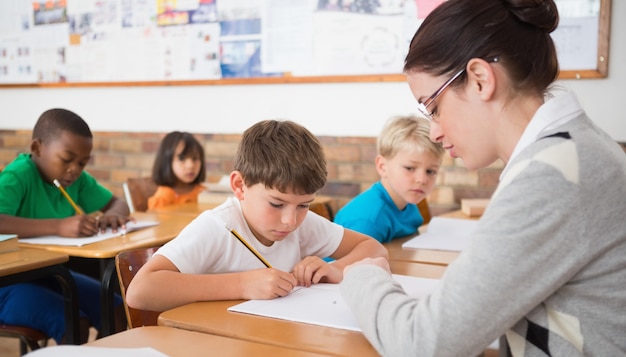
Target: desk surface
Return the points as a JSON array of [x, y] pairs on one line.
[[27, 258], [212, 200], [176, 342], [212, 318], [169, 226]]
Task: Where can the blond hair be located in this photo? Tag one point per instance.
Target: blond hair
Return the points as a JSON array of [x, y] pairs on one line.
[[407, 132]]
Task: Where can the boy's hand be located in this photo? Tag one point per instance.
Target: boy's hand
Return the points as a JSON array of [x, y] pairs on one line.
[[313, 270], [113, 221], [77, 226], [266, 283]]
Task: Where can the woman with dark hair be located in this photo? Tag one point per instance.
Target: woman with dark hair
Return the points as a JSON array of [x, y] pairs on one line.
[[546, 265]]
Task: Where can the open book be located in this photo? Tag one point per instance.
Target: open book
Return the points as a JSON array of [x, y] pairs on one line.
[[322, 304], [444, 233], [78, 242]]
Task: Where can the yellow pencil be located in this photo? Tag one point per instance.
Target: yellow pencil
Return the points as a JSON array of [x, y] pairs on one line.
[[250, 248], [69, 199]]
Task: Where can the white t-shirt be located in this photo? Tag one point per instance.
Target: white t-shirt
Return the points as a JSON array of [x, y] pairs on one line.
[[207, 246]]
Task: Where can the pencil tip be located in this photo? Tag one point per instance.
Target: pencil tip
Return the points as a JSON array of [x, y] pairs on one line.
[[56, 183]]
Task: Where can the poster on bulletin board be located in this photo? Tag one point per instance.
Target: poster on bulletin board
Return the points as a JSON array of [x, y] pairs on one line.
[[126, 41]]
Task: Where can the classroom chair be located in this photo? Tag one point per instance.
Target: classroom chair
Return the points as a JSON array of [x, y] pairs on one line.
[[323, 208], [30, 338], [137, 190], [127, 264], [424, 210]]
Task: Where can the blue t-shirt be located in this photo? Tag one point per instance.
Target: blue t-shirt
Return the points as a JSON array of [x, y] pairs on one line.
[[374, 213]]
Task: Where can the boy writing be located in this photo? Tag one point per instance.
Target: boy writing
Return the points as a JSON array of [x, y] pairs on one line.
[[408, 163], [279, 166], [31, 205]]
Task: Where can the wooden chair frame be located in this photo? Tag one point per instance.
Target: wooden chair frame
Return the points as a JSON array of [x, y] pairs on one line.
[[127, 264]]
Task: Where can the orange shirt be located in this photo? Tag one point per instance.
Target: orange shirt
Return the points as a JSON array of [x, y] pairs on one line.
[[165, 196]]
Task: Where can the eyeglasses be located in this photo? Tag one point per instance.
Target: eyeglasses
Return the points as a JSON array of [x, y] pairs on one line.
[[423, 106]]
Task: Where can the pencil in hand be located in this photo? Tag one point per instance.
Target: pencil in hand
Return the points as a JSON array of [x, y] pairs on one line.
[[250, 248], [69, 199]]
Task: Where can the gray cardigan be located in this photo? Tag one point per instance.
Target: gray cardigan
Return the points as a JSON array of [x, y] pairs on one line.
[[546, 265]]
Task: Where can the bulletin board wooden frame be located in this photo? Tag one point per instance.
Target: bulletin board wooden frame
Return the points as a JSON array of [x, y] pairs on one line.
[[601, 70]]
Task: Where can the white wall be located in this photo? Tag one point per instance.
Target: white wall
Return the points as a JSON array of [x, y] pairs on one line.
[[348, 109]]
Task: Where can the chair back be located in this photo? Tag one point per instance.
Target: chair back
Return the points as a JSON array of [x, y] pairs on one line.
[[30, 339], [424, 210], [322, 206], [137, 191], [127, 264]]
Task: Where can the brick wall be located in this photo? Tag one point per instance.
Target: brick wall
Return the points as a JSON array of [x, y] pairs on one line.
[[118, 155]]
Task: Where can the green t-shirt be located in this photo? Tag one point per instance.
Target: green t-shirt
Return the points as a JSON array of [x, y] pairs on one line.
[[23, 193]]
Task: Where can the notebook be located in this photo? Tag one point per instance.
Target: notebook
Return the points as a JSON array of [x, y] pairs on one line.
[[444, 233], [322, 304], [79, 242]]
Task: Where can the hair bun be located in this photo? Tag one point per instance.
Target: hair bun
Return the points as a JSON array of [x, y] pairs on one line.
[[542, 14]]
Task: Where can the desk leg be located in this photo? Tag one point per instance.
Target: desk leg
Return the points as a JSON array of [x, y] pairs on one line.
[[107, 295], [70, 292]]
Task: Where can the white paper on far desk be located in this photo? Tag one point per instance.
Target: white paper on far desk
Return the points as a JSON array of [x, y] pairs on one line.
[[322, 304], [79, 242], [92, 351], [444, 233]]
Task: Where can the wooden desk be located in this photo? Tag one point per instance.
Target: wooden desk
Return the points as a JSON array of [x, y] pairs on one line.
[[212, 318], [400, 254], [189, 209], [422, 270], [28, 264], [169, 227], [181, 343], [320, 205]]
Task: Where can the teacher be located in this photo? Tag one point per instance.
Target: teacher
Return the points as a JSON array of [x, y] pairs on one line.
[[546, 265]]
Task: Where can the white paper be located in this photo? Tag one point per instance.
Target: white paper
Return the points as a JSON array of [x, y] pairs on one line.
[[79, 242], [75, 351], [322, 304], [444, 233]]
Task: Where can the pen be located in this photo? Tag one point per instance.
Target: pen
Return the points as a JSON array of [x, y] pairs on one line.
[[250, 248], [69, 199]]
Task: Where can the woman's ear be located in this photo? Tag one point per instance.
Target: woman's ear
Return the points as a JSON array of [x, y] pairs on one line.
[[481, 77], [237, 184]]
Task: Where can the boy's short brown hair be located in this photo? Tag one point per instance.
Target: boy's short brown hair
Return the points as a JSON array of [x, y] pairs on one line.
[[281, 155]]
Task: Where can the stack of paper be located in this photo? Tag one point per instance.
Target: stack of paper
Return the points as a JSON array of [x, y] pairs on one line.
[[322, 304], [444, 233]]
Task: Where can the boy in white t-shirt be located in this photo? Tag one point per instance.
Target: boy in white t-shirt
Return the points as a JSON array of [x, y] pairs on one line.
[[278, 168]]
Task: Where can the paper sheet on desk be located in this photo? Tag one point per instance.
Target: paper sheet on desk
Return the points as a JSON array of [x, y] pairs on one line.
[[92, 351], [78, 242], [322, 304], [444, 233]]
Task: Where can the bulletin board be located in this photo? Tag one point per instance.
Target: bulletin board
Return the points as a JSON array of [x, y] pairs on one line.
[[214, 42]]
